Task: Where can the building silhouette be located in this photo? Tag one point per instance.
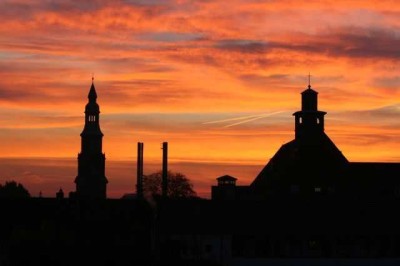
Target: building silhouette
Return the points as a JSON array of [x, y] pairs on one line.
[[312, 165], [308, 206], [227, 189], [91, 181]]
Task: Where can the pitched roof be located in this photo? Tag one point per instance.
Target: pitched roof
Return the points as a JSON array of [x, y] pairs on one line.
[[296, 160]]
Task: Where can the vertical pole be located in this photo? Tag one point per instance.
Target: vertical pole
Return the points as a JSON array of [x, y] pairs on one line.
[[139, 181], [165, 169]]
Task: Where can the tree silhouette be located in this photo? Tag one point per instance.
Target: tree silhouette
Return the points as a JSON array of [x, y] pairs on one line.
[[179, 186], [12, 189]]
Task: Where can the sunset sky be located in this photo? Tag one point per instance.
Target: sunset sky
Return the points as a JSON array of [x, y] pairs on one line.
[[189, 72]]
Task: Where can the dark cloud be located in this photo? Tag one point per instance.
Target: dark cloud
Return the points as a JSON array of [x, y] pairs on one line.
[[63, 17], [170, 36], [243, 46], [72, 5], [286, 81], [19, 94], [25, 10], [346, 42], [366, 43], [148, 2]]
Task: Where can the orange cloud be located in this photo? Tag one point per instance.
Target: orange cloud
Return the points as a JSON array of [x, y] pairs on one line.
[[164, 68]]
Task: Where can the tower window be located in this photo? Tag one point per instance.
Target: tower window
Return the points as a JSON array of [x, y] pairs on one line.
[[317, 189], [317, 120], [301, 120]]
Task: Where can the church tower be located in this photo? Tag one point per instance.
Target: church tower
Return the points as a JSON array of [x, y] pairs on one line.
[[309, 122], [91, 181], [309, 164]]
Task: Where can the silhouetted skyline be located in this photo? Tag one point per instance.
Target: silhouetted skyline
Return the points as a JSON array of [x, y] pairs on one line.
[[165, 70]]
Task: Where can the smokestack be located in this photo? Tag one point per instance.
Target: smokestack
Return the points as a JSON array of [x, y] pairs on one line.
[[165, 170], [139, 181]]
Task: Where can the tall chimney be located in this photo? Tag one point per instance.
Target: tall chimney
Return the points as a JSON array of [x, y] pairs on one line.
[[165, 170], [139, 181]]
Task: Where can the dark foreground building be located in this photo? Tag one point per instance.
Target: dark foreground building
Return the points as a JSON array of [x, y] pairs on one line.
[[91, 181], [291, 231], [311, 164], [308, 206]]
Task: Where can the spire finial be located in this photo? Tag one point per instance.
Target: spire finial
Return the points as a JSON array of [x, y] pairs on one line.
[[92, 92], [309, 80]]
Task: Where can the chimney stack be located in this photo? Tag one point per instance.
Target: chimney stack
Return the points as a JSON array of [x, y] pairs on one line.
[[139, 182], [165, 170]]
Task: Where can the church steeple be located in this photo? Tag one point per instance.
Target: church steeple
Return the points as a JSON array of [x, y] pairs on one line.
[[91, 181], [92, 93], [92, 118], [309, 122]]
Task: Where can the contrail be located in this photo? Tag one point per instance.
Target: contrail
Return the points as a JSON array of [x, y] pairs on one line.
[[233, 119], [252, 119]]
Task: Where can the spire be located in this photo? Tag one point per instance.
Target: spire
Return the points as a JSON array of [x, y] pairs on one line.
[[92, 93], [91, 181], [92, 111], [309, 90]]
